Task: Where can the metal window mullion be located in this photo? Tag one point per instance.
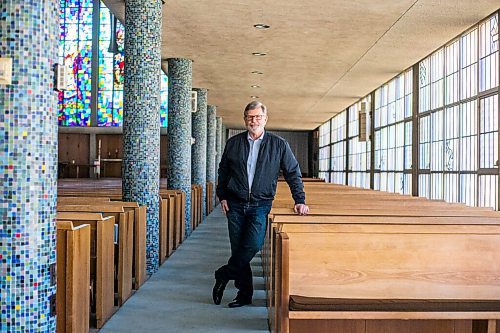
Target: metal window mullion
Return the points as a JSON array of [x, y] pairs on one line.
[[498, 98], [372, 140], [478, 117], [346, 152], [415, 131], [95, 62]]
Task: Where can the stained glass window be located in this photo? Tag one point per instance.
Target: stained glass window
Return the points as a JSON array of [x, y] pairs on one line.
[[164, 100], [75, 52], [111, 66]]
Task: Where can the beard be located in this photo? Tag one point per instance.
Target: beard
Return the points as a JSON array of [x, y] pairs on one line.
[[255, 129]]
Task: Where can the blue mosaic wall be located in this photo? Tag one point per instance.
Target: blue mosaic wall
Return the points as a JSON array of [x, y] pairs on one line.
[[179, 130], [141, 119], [218, 141], [199, 149], [211, 153], [29, 32]]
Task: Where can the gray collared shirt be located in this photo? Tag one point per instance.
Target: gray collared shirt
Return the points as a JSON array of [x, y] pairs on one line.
[[252, 157]]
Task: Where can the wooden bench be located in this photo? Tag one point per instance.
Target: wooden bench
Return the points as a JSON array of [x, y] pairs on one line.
[[139, 222], [180, 214], [210, 197], [73, 277], [386, 277], [167, 226], [124, 244], [101, 262]]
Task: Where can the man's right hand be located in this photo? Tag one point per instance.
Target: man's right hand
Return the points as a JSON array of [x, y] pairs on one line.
[[224, 206]]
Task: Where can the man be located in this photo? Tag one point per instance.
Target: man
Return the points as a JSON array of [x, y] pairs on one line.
[[248, 175]]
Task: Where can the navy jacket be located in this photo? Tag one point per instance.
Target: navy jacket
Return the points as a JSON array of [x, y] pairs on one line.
[[274, 155]]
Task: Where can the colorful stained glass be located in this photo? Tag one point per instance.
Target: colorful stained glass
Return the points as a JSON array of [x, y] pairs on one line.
[[111, 66], [164, 100], [75, 52]]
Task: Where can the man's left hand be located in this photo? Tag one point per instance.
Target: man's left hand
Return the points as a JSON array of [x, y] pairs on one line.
[[301, 209]]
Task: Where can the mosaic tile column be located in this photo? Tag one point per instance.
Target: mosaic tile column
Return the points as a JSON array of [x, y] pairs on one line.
[[179, 130], [224, 136], [141, 116], [218, 140], [29, 32], [199, 149], [211, 148]]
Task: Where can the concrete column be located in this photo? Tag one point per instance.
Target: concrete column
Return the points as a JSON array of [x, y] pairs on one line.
[[29, 35], [211, 147], [219, 141], [179, 130], [141, 116], [199, 149]]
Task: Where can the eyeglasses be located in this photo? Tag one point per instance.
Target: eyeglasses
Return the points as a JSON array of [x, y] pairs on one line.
[[257, 117]]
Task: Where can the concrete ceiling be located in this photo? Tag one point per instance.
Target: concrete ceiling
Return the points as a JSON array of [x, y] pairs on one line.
[[322, 55]]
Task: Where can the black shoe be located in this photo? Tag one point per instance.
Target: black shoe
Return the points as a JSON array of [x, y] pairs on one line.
[[218, 290], [240, 301]]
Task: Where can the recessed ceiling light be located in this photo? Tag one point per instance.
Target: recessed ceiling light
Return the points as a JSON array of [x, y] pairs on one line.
[[254, 86], [261, 26], [259, 54], [254, 97], [257, 72]]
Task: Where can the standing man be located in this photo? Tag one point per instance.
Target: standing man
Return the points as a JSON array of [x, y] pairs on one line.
[[248, 175]]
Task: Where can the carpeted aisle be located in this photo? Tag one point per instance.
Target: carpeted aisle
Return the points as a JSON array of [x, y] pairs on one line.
[[179, 297]]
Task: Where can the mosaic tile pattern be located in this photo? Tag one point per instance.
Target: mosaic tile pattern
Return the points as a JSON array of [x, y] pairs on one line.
[[211, 153], [179, 130], [224, 136], [218, 141], [141, 119], [29, 32], [199, 149]]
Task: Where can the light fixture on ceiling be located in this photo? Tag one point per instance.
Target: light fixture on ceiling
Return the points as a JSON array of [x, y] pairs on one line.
[[259, 54], [254, 86], [257, 72], [261, 26], [254, 97]]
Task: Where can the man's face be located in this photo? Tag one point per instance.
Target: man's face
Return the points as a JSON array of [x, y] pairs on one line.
[[255, 121]]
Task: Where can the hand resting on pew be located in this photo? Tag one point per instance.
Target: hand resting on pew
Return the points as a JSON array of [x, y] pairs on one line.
[[301, 209]]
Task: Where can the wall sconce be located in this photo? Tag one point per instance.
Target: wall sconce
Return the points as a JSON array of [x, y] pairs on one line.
[[5, 71]]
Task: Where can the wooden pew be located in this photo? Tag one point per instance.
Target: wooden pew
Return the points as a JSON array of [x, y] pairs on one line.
[[124, 244], [139, 222], [180, 214], [73, 277], [386, 277], [101, 262], [78, 200], [210, 197], [342, 204]]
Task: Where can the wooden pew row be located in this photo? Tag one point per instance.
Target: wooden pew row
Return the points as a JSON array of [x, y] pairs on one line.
[[73, 277], [138, 218], [196, 194], [210, 197], [178, 203], [386, 277], [124, 244], [360, 209], [170, 238], [101, 262]]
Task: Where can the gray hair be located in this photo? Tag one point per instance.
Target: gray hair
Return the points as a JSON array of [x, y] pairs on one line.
[[253, 106]]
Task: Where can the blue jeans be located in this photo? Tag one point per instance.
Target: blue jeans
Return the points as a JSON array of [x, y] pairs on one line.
[[247, 230]]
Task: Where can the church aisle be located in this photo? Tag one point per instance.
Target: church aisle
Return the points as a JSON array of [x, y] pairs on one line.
[[178, 298]]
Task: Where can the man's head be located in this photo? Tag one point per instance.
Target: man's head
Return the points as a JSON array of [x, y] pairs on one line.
[[255, 116]]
